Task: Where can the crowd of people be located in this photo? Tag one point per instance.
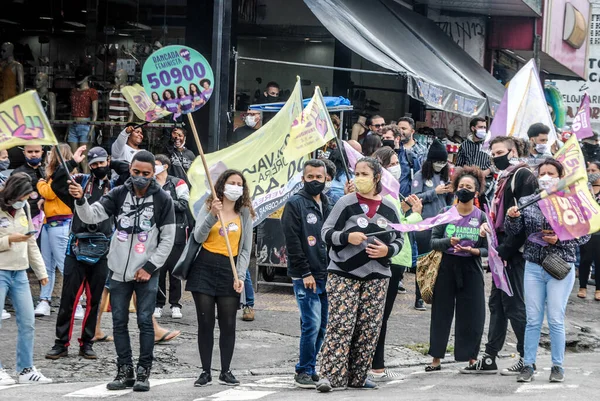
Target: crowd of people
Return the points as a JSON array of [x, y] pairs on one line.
[[117, 234]]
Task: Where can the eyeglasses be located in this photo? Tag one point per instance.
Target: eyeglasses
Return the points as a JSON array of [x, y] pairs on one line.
[[378, 125]]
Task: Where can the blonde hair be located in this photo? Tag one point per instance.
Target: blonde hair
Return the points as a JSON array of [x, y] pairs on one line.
[[52, 165]]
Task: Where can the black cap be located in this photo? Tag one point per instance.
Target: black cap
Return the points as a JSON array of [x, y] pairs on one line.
[[437, 152], [97, 154]]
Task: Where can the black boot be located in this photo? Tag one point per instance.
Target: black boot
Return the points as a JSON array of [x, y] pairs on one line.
[[87, 352], [125, 378], [141, 381], [58, 351]]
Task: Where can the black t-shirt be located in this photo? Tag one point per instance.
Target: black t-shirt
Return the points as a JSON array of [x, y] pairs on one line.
[[242, 133]]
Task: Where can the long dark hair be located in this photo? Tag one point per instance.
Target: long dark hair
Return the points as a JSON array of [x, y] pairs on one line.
[[377, 171], [184, 92], [243, 201], [384, 155], [371, 144], [427, 171], [336, 157], [170, 93], [17, 186], [196, 90]]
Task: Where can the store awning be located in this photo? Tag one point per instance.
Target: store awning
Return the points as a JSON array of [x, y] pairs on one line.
[[400, 40]]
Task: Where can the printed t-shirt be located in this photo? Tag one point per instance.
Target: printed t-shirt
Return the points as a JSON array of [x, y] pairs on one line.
[[467, 229], [215, 242]]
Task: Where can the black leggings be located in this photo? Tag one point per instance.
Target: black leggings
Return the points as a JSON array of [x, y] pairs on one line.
[[205, 310], [589, 254]]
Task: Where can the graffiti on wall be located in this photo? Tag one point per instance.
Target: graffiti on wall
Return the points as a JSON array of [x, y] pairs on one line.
[[468, 33]]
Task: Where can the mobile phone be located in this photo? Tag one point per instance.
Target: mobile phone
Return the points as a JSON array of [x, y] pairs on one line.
[[31, 232]]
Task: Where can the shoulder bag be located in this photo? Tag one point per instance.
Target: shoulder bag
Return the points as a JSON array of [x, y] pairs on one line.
[[186, 260]]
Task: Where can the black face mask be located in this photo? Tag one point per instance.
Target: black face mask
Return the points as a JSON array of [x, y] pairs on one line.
[[314, 187], [465, 196], [272, 99], [389, 142], [101, 172], [502, 162]]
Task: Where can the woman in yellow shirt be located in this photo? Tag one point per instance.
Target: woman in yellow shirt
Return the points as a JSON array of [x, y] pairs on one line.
[[211, 280]]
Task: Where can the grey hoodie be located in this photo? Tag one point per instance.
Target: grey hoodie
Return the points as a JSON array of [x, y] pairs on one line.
[[145, 228]]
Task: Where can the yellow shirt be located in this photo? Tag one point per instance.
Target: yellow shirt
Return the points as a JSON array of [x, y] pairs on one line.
[[215, 242]]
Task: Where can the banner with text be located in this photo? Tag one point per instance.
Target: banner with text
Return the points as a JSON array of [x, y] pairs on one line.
[[141, 104], [582, 126]]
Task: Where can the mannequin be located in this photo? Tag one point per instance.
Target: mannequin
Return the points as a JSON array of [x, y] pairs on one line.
[[84, 108], [118, 108], [48, 98], [11, 73]]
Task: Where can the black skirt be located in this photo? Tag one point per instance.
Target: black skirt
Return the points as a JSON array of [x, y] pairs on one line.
[[211, 275]]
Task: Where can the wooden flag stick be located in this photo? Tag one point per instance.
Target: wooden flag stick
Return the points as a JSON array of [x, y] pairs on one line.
[[214, 194]]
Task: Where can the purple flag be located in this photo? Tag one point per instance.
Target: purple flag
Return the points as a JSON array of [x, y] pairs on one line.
[[447, 217], [582, 127], [391, 186], [495, 261]]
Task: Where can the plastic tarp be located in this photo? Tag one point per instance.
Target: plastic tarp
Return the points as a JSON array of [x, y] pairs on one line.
[[330, 102], [374, 30]]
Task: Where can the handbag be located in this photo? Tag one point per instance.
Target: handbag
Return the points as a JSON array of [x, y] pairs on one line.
[[89, 248], [186, 260], [427, 270], [556, 266]]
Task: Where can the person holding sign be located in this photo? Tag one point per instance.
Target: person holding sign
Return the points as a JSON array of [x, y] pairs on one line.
[[211, 280], [543, 252]]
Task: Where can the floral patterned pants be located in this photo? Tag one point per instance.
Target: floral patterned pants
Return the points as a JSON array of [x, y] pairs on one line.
[[355, 315]]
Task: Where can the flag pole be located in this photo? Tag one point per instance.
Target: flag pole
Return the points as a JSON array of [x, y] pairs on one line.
[[214, 194]]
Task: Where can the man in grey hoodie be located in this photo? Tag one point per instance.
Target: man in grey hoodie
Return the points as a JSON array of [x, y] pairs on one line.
[[144, 236]]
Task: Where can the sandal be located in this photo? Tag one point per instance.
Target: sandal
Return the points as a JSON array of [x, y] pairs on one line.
[[168, 336], [431, 368], [105, 339], [597, 295]]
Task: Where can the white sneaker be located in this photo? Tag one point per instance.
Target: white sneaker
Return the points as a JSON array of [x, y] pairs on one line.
[[32, 376], [176, 312], [158, 313], [42, 309], [5, 314], [5, 379], [79, 312]]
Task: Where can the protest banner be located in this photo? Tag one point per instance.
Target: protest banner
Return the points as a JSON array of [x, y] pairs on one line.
[[141, 104], [311, 130], [178, 79], [24, 122], [572, 212], [448, 216], [523, 104], [271, 177], [582, 126], [495, 262], [391, 186]]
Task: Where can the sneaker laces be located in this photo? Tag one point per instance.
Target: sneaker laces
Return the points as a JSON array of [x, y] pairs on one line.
[[517, 367]]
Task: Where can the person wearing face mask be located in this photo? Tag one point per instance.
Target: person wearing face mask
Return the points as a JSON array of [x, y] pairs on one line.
[[252, 122], [459, 287], [589, 251], [515, 181], [180, 156], [19, 251], [33, 162], [542, 291], [143, 238], [211, 280], [180, 193], [432, 185], [470, 152], [591, 148], [358, 278], [399, 264], [539, 148], [302, 220], [4, 164]]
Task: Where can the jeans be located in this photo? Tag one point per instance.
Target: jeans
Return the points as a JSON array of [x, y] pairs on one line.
[[120, 295], [54, 243], [79, 133], [313, 322], [16, 284], [543, 291], [249, 290]]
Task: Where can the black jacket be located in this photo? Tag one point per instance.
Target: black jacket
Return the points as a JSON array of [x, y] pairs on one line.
[[180, 162], [35, 174], [181, 197], [302, 221]]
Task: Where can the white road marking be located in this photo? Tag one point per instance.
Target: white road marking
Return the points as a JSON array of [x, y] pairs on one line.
[[537, 388], [425, 388], [273, 382], [394, 382], [237, 394], [101, 391]]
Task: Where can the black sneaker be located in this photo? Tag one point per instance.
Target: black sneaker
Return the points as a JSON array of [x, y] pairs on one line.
[[205, 379], [125, 378], [141, 380], [303, 380], [515, 369], [58, 351], [420, 305], [401, 289], [484, 366], [557, 374], [526, 374], [228, 379], [87, 352], [315, 377]]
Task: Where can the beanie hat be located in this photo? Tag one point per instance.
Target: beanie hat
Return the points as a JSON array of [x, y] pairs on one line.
[[437, 152]]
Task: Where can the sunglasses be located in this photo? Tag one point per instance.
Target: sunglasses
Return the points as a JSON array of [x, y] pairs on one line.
[[378, 125]]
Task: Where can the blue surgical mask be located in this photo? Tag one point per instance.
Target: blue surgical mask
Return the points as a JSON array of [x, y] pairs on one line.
[[140, 182], [33, 162], [4, 164], [18, 205]]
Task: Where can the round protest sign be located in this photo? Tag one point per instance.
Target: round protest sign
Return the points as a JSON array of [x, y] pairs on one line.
[[178, 79]]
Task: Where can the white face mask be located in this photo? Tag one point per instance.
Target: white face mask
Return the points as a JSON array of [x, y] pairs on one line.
[[158, 170], [480, 133], [439, 166], [546, 182], [18, 205], [327, 186], [541, 148], [250, 120], [395, 171], [233, 192]]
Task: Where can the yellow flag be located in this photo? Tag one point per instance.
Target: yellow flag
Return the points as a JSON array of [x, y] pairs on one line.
[[272, 177], [312, 129], [24, 122], [141, 104]]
